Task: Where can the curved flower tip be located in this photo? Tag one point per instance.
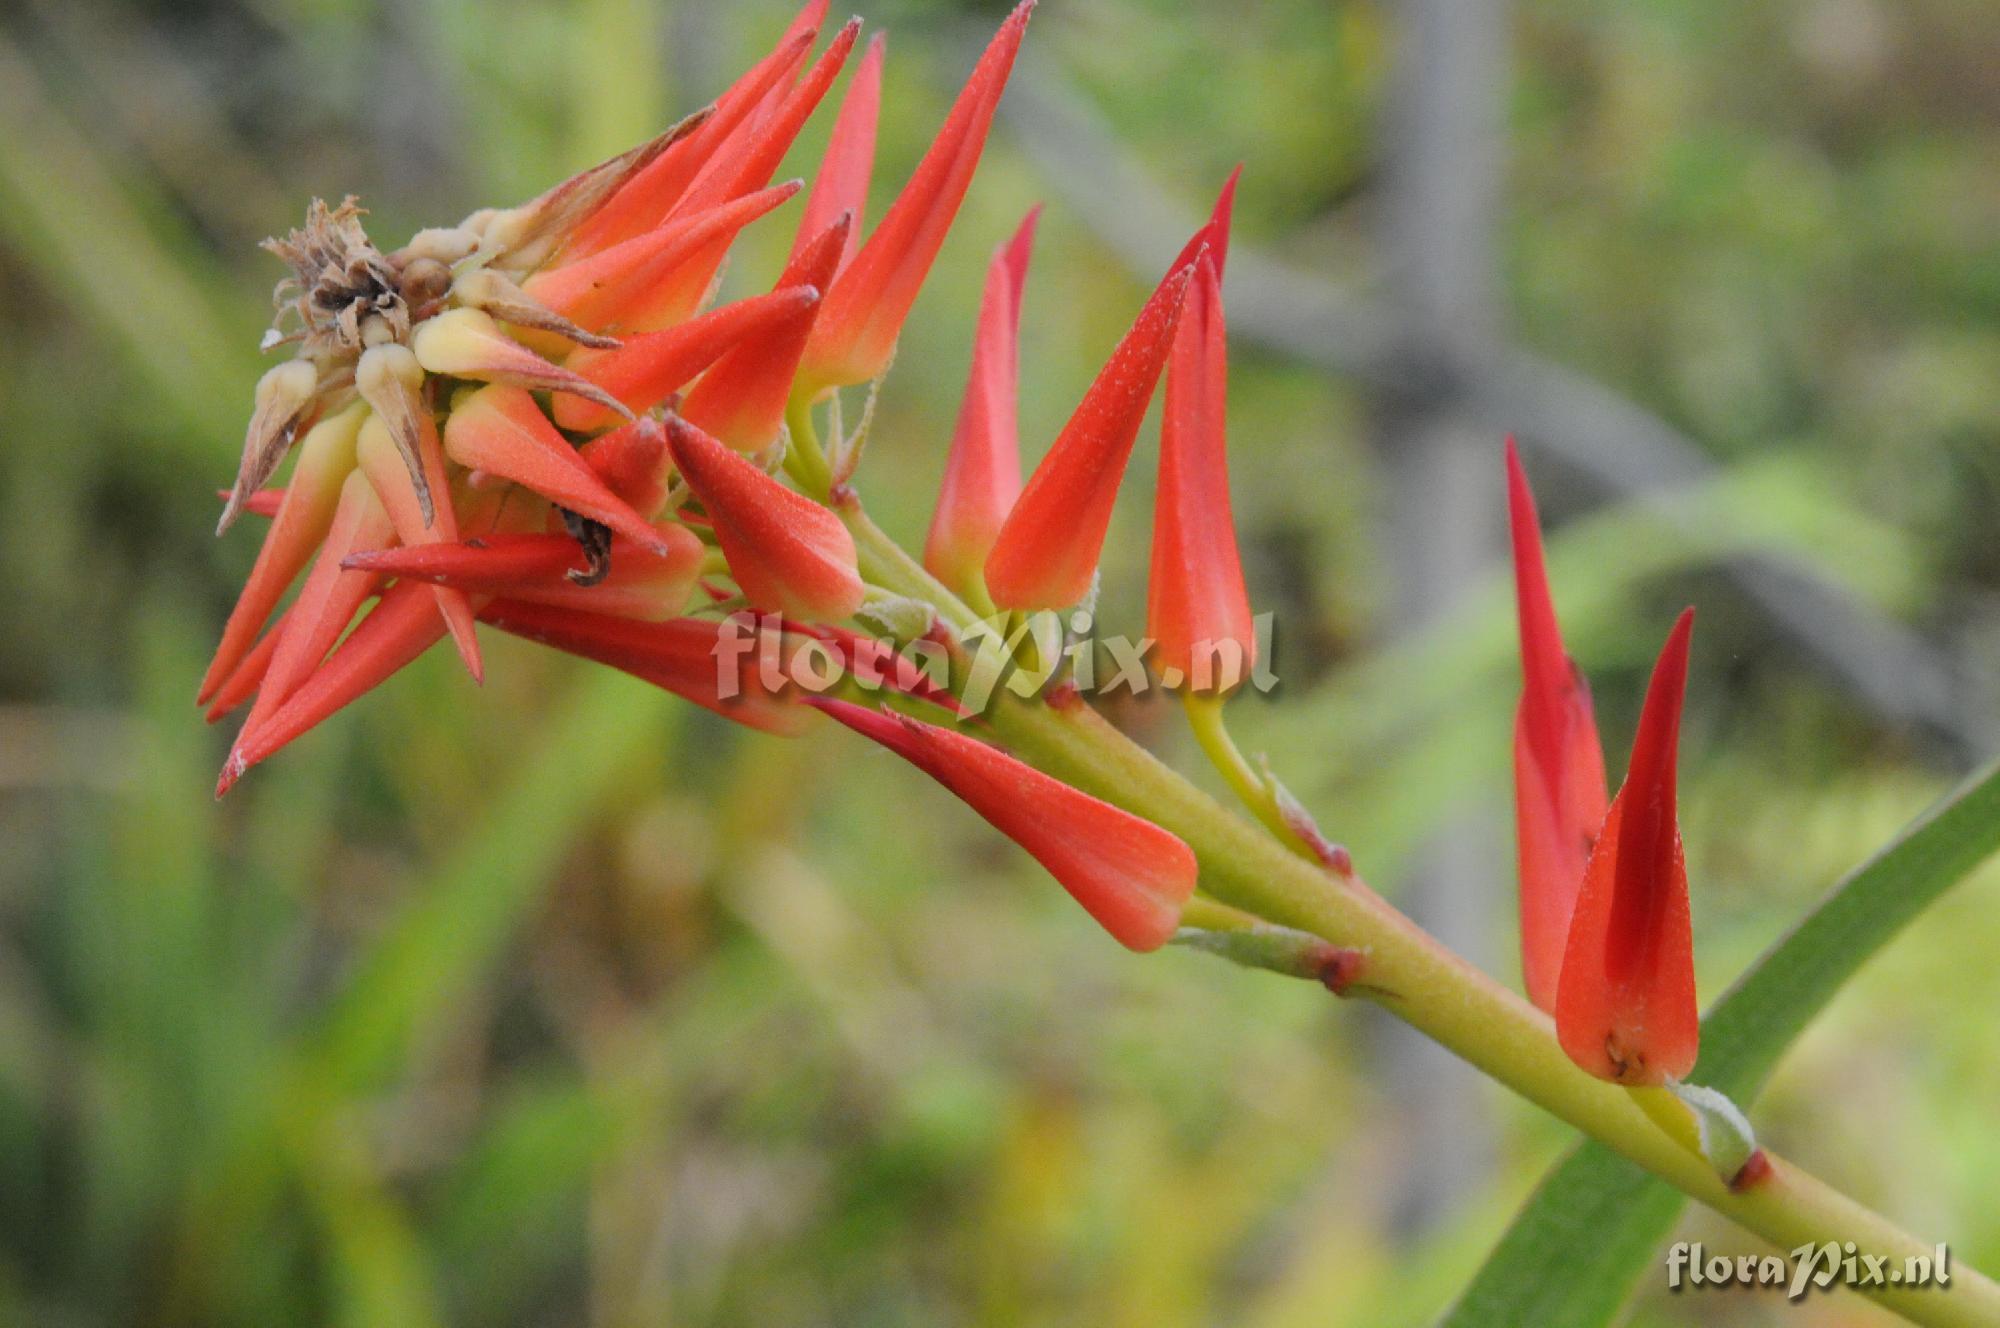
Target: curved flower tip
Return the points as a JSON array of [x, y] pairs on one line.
[[326, 458], [788, 553], [741, 399], [855, 337], [719, 665], [1625, 1003], [1046, 553], [841, 187], [982, 475], [402, 626], [1559, 788], [1197, 606], [502, 432], [1130, 875]]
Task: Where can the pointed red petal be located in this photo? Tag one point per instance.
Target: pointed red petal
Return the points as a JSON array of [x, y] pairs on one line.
[[385, 469], [1047, 551], [982, 475], [325, 457], [741, 400], [856, 336], [330, 597], [1559, 786], [648, 196], [1197, 607], [1129, 874], [685, 656], [649, 368], [841, 187], [641, 583], [751, 164], [501, 431], [622, 285], [404, 625], [1625, 1004], [788, 553]]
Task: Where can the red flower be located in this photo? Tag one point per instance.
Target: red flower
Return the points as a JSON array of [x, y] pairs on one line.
[[841, 187], [1046, 553], [1197, 608], [982, 475], [644, 201], [1625, 1003], [641, 582], [1559, 792], [649, 368], [1129, 874], [741, 400], [855, 337], [306, 510], [683, 656], [788, 553]]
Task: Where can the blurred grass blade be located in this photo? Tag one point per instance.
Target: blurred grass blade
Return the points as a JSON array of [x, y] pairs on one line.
[[1576, 1249], [460, 919]]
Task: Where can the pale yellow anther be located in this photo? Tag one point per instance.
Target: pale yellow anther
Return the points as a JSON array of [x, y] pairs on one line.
[[456, 342]]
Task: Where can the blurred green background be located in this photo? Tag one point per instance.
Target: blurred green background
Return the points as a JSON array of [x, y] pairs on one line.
[[555, 1002]]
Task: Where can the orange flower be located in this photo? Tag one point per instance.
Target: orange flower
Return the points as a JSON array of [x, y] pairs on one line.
[[1129, 874], [1197, 607], [1559, 793], [1625, 1003], [855, 337], [789, 554], [982, 475], [1045, 556]]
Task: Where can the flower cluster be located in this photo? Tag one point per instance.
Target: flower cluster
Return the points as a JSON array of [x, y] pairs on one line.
[[534, 419]]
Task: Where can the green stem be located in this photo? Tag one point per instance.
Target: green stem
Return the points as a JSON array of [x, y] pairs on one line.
[[1211, 732], [1410, 974]]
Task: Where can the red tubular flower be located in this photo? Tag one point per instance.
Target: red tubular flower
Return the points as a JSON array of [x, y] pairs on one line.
[[501, 431], [330, 597], [982, 475], [264, 502], [1129, 874], [326, 457], [647, 369], [383, 464], [650, 194], [1197, 607], [741, 400], [788, 553], [1559, 791], [621, 285], [542, 569], [841, 187], [404, 625], [1625, 1002], [751, 164], [855, 338], [1046, 552], [683, 656]]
